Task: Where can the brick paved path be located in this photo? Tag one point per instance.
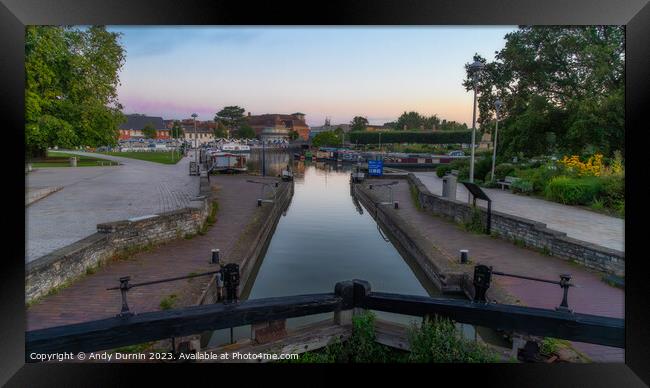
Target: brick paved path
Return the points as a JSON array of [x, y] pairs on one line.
[[88, 299], [92, 195], [578, 223], [592, 297]]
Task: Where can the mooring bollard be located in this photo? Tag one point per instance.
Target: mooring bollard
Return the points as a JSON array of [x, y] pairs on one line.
[[464, 253], [215, 256], [482, 277]]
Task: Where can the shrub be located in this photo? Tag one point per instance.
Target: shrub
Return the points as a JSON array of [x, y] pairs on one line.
[[573, 191], [482, 166], [539, 177], [442, 170], [439, 341], [613, 190], [501, 171], [522, 186]]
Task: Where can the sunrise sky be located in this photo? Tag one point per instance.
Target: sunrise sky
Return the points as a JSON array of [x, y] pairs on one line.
[[340, 72]]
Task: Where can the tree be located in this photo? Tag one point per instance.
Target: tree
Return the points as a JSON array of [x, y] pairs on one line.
[[176, 131], [325, 139], [414, 120], [560, 86], [245, 131], [451, 126], [149, 131], [220, 130], [231, 117], [358, 123], [293, 135], [71, 79]]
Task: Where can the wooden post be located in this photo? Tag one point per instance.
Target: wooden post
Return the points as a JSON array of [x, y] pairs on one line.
[[343, 315]]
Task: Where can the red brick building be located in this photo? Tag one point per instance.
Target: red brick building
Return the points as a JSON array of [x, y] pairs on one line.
[[279, 123]]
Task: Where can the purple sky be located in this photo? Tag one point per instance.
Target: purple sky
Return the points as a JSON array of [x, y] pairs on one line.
[[337, 72]]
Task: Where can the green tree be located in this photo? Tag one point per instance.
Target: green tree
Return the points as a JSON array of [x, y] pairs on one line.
[[149, 131], [245, 131], [358, 123], [326, 139], [293, 135], [231, 117], [451, 126], [71, 79], [220, 130], [414, 121], [176, 131], [564, 81]]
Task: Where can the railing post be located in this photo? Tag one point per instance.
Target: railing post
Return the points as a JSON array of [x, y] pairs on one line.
[[124, 288], [564, 283]]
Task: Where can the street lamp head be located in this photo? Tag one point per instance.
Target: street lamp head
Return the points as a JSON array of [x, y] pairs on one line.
[[498, 104], [195, 115], [476, 66]]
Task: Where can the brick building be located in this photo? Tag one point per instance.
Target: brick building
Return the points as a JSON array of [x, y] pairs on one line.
[[275, 125]]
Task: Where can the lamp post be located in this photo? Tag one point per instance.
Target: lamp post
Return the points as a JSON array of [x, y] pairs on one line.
[[196, 147], [263, 157], [497, 107], [475, 68]]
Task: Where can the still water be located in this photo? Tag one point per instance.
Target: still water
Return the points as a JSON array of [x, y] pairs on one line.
[[322, 239]]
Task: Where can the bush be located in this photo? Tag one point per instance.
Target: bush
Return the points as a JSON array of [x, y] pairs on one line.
[[442, 170], [613, 190], [482, 166], [573, 191], [438, 341], [446, 137], [501, 171], [522, 186], [539, 177]]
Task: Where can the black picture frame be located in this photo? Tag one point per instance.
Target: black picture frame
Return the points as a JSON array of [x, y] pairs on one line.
[[635, 14]]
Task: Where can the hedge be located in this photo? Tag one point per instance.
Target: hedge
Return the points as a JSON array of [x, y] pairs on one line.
[[445, 137]]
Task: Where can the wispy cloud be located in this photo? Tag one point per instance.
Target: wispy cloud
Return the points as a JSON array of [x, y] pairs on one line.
[[155, 41]]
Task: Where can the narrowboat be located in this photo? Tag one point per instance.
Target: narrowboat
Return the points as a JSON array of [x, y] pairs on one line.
[[227, 162]]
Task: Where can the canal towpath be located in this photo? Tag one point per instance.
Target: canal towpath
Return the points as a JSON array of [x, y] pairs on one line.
[[576, 222], [87, 299], [592, 296]]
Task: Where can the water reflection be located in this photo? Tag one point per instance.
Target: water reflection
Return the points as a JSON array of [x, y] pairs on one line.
[[324, 239]]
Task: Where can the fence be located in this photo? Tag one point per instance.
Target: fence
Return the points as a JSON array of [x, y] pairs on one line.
[[128, 329]]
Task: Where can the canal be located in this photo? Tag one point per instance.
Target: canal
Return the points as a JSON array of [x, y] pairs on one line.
[[325, 237]]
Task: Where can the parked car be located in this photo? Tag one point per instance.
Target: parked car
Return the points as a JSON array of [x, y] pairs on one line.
[[456, 153]]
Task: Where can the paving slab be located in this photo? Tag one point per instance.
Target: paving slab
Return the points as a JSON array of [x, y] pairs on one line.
[[93, 195], [581, 224], [88, 299], [592, 296]]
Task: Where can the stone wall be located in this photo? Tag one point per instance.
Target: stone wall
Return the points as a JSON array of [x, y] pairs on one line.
[[438, 267], [249, 250], [72, 261], [527, 232]]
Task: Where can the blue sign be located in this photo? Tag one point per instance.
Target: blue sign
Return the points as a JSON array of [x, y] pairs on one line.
[[375, 167]]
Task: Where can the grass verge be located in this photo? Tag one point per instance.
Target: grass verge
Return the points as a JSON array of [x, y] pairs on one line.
[[164, 157]]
